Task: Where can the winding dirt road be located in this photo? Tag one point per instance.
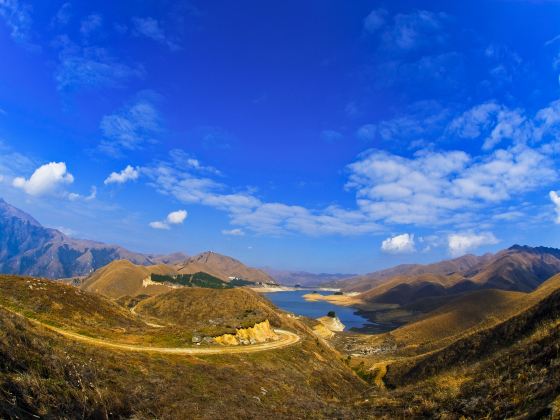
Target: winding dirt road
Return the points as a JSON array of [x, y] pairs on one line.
[[287, 338]]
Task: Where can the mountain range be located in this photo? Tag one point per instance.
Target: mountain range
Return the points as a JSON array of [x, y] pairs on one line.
[[28, 248]]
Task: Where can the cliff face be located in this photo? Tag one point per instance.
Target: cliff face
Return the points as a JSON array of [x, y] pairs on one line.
[[259, 333]]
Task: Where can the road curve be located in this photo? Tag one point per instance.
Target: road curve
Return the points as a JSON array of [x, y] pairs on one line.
[[287, 338]]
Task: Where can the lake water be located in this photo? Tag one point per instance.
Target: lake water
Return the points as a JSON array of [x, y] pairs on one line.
[[293, 301]]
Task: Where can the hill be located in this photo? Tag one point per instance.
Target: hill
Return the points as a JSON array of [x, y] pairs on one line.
[[514, 269], [366, 282], [189, 308], [223, 268], [123, 278], [48, 375]]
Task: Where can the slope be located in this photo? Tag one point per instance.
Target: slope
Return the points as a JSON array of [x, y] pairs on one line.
[[222, 267], [123, 278]]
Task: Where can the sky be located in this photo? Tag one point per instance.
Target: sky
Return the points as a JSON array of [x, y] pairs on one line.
[[318, 135]]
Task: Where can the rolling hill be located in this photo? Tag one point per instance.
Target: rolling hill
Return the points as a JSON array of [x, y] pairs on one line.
[[366, 282], [518, 268], [122, 278], [44, 374], [222, 267]]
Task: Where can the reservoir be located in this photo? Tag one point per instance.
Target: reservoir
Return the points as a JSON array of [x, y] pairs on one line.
[[294, 302]]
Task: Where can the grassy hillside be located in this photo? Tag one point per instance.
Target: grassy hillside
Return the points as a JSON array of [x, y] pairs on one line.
[[209, 310], [222, 267], [122, 278], [45, 375]]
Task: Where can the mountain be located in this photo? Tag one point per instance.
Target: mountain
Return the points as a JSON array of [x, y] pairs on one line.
[[368, 281], [304, 278], [223, 268], [28, 248]]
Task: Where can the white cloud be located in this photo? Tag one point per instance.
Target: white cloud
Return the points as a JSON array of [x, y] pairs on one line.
[[159, 225], [45, 180], [75, 197], [399, 244], [127, 174], [233, 232], [439, 187], [556, 201], [460, 244], [130, 128], [495, 122], [177, 217], [174, 218], [175, 178]]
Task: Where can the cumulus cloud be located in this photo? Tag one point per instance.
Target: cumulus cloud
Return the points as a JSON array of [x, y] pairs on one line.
[[556, 201], [437, 187], [47, 179], [174, 218], [186, 184], [75, 197], [131, 128], [461, 243], [495, 122], [127, 174], [233, 232], [399, 244], [159, 225]]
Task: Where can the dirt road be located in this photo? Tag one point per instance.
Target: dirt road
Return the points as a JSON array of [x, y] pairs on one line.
[[287, 338]]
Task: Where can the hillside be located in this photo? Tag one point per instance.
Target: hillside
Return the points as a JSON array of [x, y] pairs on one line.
[[189, 308], [44, 374], [466, 263], [514, 269], [123, 278], [222, 267]]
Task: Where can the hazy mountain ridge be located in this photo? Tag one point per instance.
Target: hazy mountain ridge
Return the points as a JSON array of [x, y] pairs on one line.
[[304, 278], [26, 247]]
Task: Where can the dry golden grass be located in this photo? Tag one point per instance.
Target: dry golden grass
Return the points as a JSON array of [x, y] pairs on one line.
[[123, 278]]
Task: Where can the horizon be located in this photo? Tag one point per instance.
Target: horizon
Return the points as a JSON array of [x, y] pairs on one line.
[[319, 137]]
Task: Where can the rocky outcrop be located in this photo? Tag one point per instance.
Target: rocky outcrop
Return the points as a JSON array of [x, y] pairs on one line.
[[259, 333], [332, 323]]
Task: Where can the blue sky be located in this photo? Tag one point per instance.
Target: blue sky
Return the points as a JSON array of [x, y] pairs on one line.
[[319, 135]]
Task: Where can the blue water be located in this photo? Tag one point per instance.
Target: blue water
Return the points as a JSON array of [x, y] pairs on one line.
[[295, 303]]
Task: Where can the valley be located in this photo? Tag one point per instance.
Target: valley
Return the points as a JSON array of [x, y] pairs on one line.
[[455, 338]]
